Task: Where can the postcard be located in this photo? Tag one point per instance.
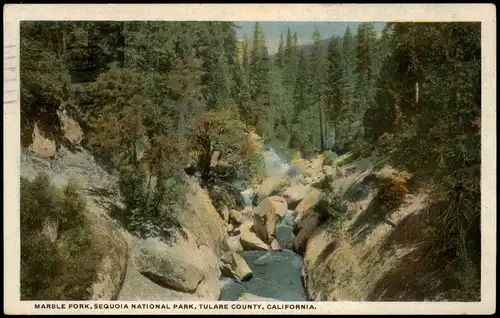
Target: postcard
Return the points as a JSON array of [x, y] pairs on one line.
[[249, 159]]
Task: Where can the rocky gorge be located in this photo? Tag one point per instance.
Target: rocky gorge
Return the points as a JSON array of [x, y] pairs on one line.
[[312, 230]]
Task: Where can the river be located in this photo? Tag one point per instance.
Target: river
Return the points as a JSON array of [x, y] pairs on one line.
[[276, 274]]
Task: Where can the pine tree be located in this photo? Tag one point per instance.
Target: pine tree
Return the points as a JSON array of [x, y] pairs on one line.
[[280, 54], [222, 82], [365, 67], [259, 68], [290, 64], [295, 43], [317, 63], [257, 47], [344, 128], [243, 83], [334, 79], [334, 87], [302, 90]]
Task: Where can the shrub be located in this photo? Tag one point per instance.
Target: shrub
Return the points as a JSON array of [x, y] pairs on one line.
[[63, 269], [392, 187], [458, 209], [331, 205]]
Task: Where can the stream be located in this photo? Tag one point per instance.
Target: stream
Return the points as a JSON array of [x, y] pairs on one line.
[[276, 274]]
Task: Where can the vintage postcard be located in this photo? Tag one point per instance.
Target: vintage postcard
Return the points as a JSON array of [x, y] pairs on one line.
[[249, 159]]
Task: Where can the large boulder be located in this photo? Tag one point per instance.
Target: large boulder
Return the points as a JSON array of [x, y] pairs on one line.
[[177, 265], [41, 145], [178, 270], [266, 216], [250, 240], [307, 204], [234, 265], [295, 193], [137, 287]]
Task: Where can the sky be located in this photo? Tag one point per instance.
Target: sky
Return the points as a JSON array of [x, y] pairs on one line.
[[272, 30]]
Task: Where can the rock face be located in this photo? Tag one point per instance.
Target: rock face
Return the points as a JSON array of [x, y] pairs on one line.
[[361, 256], [200, 218], [304, 230], [71, 129], [132, 268], [250, 240], [111, 272], [42, 146], [208, 288], [266, 216]]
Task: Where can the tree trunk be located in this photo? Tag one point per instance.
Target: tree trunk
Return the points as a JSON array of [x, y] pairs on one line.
[[205, 161]]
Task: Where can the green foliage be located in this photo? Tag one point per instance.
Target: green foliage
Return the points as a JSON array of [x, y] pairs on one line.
[[330, 157], [254, 169], [45, 77], [437, 81], [218, 129], [66, 268], [334, 78], [331, 205]]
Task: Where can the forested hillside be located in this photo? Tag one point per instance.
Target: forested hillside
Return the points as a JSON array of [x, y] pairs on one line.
[[157, 99]]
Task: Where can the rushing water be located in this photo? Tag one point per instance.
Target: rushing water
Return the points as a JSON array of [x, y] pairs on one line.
[[276, 274]]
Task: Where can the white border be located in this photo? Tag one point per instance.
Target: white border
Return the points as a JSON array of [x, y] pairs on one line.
[[485, 13]]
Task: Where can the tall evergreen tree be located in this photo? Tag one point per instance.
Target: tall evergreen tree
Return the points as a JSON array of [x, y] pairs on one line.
[[344, 130], [334, 84], [280, 54], [222, 82], [317, 64], [334, 78], [365, 67], [302, 87], [290, 63]]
